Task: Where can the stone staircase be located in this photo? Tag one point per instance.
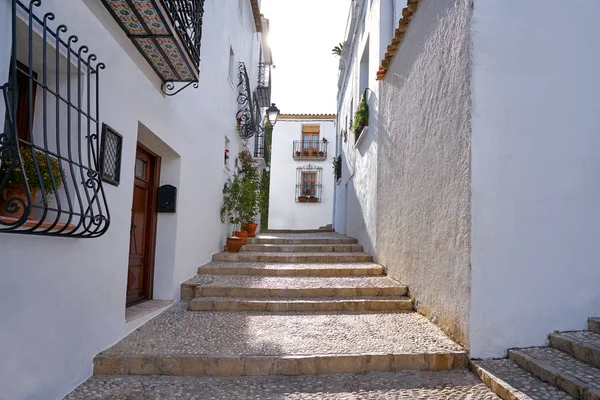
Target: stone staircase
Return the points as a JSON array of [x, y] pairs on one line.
[[569, 368], [289, 304]]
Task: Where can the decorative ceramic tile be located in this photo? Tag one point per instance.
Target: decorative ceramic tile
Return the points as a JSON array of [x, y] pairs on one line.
[[156, 58], [175, 55], [148, 11], [127, 17]]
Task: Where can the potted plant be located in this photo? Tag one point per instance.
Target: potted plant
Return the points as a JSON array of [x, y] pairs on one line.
[[302, 199], [230, 211], [361, 117], [325, 140], [234, 244], [15, 184], [250, 187], [321, 153], [314, 153], [298, 153], [312, 199], [305, 153]]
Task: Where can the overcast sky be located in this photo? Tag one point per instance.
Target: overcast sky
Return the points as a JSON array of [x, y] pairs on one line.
[[302, 36]]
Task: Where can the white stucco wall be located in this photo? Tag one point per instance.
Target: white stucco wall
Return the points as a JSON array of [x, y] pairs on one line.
[[62, 301], [423, 190], [368, 33], [284, 212], [536, 171]]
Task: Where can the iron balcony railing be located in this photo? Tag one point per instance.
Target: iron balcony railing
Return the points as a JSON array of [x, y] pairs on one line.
[[309, 150], [263, 89], [167, 33]]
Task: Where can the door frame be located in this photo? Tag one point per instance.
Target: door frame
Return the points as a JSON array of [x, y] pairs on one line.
[[152, 221]]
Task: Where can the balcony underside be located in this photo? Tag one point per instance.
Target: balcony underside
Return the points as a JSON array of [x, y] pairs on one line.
[[152, 30]]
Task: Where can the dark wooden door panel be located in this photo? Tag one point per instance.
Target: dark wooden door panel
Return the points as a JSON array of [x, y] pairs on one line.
[[143, 227]]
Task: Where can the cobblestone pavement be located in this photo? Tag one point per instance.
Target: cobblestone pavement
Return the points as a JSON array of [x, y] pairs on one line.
[[181, 332], [508, 374], [311, 236], [447, 385]]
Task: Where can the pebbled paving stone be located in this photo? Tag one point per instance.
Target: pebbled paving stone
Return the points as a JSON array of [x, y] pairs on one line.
[[457, 384], [180, 332], [510, 381], [308, 236]]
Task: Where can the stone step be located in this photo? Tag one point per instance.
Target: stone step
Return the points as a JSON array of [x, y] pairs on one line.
[[443, 385], [293, 257], [304, 248], [285, 269], [594, 324], [511, 382], [298, 239], [180, 342], [560, 369], [402, 303], [290, 287], [584, 345], [320, 230]]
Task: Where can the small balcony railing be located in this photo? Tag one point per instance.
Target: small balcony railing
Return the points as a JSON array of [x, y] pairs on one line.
[[263, 89], [309, 150]]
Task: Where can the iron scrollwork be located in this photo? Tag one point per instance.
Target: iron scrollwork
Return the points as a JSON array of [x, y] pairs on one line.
[[49, 176], [246, 115]]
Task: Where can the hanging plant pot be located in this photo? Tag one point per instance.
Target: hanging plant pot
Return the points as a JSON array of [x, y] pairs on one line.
[[234, 244], [242, 235]]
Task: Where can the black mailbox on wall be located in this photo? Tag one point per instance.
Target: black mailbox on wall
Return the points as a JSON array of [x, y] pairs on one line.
[[167, 199]]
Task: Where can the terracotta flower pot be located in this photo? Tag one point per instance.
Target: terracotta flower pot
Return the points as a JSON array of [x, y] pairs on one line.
[[234, 244], [302, 199], [242, 235], [251, 229], [313, 200], [10, 193]]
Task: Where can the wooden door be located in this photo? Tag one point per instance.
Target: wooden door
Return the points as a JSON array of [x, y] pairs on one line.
[[143, 227]]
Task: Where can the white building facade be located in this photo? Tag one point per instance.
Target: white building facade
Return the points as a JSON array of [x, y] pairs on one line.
[[131, 207], [476, 184], [302, 173]]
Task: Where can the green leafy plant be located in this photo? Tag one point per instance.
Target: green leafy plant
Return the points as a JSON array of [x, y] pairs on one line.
[[337, 50], [361, 117], [48, 166], [240, 198], [268, 141], [263, 201]]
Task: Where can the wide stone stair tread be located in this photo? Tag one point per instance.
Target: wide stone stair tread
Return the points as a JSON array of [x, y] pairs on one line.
[[303, 248], [399, 303], [276, 286], [238, 343], [284, 239], [348, 257], [511, 382], [560, 369], [594, 324], [415, 385], [287, 269], [583, 345]]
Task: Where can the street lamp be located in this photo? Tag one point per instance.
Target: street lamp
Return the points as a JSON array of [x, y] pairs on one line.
[[272, 114]]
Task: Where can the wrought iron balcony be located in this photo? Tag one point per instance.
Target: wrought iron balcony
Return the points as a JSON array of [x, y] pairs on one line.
[[263, 90], [249, 115], [167, 33], [309, 150]]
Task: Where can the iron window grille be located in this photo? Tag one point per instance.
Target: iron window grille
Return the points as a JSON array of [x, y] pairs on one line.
[[308, 184], [309, 150], [50, 180], [337, 168], [110, 155]]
